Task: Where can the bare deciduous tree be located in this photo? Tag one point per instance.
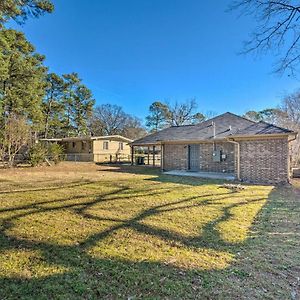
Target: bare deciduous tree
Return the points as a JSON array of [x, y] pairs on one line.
[[133, 128], [278, 30], [181, 113], [287, 115], [110, 119], [163, 115], [16, 134], [291, 107]]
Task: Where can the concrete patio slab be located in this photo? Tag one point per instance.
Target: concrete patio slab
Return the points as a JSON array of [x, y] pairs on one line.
[[210, 175]]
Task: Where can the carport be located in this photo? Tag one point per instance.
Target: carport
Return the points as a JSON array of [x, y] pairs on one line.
[[147, 155]]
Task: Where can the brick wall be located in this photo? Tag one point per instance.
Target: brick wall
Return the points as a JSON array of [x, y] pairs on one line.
[[206, 158], [261, 161], [175, 157], [264, 161]]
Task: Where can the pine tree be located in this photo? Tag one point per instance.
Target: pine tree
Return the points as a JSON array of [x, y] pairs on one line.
[[52, 106], [22, 77], [78, 104], [21, 10], [157, 118], [82, 109], [71, 82]]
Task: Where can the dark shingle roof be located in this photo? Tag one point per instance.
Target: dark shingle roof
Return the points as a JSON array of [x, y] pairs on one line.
[[226, 125], [262, 128]]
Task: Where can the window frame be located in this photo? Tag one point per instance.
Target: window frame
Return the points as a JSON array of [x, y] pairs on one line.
[[105, 145]]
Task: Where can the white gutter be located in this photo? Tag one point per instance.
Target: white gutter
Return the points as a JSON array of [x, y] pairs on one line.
[[290, 169], [106, 137], [93, 138], [238, 158], [295, 137]]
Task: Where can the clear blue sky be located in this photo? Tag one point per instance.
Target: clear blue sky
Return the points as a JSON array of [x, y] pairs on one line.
[[133, 52]]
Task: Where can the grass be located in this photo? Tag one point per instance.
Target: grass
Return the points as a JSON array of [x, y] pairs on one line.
[[81, 231]]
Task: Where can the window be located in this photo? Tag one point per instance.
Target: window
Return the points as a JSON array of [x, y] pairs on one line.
[[73, 144], [121, 146], [83, 145], [105, 145]]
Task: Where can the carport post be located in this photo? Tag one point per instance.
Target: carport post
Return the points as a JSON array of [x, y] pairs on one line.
[[153, 156], [161, 157], [132, 155], [148, 156]]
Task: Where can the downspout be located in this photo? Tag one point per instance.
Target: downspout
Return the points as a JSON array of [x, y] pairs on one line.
[[161, 156], [295, 137], [238, 158], [132, 154], [290, 169]]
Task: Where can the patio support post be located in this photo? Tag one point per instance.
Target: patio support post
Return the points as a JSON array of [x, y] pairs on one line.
[[153, 156], [161, 157], [148, 156], [132, 155]]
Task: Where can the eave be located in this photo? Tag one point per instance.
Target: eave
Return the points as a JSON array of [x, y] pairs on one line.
[[239, 137]]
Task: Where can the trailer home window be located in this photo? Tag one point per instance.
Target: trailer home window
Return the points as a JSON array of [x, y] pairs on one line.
[[105, 145]]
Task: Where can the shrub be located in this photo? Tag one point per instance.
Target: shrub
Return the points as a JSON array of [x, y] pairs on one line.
[[55, 153], [37, 154]]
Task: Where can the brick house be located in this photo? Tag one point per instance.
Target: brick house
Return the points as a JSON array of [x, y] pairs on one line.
[[250, 151]]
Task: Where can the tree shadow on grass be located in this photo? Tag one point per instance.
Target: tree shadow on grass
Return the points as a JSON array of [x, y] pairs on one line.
[[268, 261], [156, 175], [85, 276], [73, 184]]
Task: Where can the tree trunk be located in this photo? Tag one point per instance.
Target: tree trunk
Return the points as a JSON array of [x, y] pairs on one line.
[[11, 160]]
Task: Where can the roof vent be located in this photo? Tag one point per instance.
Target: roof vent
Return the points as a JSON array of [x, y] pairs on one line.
[[230, 128]]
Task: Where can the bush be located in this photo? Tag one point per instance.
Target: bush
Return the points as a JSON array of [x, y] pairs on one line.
[[55, 153], [37, 154]]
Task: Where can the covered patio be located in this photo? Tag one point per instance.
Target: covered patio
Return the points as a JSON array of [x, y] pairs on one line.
[[147, 155], [198, 159]]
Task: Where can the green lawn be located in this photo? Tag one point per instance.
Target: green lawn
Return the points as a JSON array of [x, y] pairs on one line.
[[81, 231]]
